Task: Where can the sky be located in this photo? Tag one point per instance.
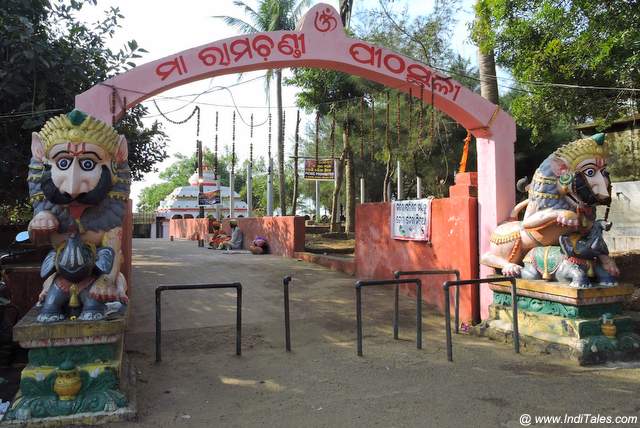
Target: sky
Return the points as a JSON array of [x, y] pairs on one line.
[[163, 28]]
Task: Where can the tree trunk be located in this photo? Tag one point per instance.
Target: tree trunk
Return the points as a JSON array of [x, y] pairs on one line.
[[350, 216], [294, 202], [282, 191], [346, 6], [335, 200], [386, 194], [488, 81]]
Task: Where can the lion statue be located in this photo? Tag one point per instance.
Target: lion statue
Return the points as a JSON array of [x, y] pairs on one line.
[[562, 200], [79, 181]]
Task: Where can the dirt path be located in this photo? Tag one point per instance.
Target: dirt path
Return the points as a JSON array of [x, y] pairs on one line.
[[201, 383]]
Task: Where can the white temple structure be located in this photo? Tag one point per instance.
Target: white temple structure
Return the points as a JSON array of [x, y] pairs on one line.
[[183, 202]]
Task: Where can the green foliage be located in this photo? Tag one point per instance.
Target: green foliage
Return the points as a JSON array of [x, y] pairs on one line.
[[47, 57], [272, 15], [625, 153], [147, 146], [586, 42], [434, 156]]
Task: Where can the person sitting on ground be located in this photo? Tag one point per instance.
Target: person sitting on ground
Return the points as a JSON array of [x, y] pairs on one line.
[[235, 242], [259, 245], [217, 236]]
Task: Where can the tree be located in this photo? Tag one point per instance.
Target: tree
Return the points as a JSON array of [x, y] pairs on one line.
[[486, 55], [346, 7], [431, 152], [585, 43], [272, 15], [47, 57], [147, 146]]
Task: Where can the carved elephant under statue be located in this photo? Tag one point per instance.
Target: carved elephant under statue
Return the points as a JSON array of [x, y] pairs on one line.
[[575, 260]]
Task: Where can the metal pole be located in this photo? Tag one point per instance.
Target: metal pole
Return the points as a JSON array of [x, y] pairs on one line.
[[249, 189], [362, 196], [219, 204], [419, 315], [396, 311], [514, 303], [399, 184], [158, 326], [232, 213], [359, 319], [287, 321], [447, 321], [239, 319], [418, 187], [317, 201], [200, 180], [396, 308], [270, 189], [457, 308]]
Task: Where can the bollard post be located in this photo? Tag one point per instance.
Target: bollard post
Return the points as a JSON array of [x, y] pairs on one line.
[[158, 326], [287, 321]]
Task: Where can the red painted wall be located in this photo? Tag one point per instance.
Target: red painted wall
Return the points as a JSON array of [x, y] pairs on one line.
[[285, 235], [454, 245], [191, 228]]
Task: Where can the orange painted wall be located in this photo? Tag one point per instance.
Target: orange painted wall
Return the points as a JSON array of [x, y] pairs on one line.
[[285, 235], [454, 246]]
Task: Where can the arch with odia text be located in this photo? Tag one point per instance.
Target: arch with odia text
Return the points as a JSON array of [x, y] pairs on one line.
[[320, 42]]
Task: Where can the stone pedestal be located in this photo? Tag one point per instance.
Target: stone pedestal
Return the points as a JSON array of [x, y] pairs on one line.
[[584, 324], [76, 373]]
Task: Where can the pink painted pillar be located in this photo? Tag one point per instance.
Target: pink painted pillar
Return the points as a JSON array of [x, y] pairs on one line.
[[496, 188]]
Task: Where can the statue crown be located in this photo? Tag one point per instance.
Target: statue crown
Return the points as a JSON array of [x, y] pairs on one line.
[[78, 127], [585, 148]]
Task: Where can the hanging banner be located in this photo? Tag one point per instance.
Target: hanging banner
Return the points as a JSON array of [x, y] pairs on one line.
[[209, 198], [318, 170], [411, 220]]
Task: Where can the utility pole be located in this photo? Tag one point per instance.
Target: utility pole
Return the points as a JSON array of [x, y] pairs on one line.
[[200, 179]]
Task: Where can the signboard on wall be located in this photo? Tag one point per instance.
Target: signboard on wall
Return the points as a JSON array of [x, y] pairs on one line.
[[411, 220], [322, 169], [209, 198]]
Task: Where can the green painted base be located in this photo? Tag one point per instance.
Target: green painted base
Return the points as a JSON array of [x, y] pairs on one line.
[[74, 368], [38, 399], [548, 307], [581, 339], [126, 388]]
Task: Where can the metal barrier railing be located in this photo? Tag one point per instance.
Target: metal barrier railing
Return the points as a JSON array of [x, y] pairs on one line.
[[399, 273], [287, 322], [360, 284], [447, 306], [162, 288]]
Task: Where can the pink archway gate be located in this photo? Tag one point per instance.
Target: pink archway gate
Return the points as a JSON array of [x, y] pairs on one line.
[[320, 42]]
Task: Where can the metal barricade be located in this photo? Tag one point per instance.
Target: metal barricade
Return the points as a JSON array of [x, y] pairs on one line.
[[162, 288], [399, 273], [447, 306], [361, 284]]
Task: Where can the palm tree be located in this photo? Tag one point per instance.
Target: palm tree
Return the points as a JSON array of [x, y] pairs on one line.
[[272, 15], [481, 30]]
